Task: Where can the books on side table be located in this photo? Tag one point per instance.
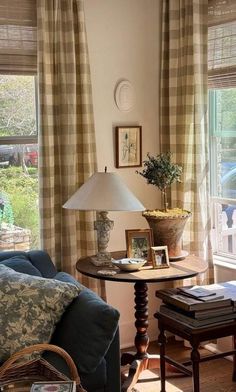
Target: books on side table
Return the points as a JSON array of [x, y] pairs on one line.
[[199, 306]]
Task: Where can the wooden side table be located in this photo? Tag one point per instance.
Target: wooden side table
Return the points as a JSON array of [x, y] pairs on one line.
[[194, 336], [187, 268]]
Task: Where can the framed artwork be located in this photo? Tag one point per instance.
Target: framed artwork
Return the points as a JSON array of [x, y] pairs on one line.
[[160, 257], [138, 244], [128, 146]]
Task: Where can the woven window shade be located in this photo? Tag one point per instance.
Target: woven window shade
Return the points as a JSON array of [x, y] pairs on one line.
[[222, 43], [18, 37]]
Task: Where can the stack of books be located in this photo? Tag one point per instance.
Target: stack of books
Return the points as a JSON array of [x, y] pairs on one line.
[[199, 306]]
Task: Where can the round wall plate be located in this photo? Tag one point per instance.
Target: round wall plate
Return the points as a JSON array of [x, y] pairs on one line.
[[124, 96]]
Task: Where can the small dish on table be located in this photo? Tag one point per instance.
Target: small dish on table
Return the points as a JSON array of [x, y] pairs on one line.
[[129, 264]]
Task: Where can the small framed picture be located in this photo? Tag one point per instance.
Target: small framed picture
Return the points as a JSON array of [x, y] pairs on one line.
[[160, 257], [128, 146], [138, 243]]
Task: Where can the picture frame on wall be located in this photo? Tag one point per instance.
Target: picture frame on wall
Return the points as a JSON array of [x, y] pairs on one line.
[[139, 243], [160, 257], [128, 140]]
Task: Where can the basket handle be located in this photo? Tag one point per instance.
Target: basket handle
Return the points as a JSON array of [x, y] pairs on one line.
[[43, 347]]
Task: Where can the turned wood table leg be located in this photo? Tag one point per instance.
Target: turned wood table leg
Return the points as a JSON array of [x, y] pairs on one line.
[[195, 357], [234, 359], [162, 343], [141, 360], [141, 316], [138, 361], [141, 340]]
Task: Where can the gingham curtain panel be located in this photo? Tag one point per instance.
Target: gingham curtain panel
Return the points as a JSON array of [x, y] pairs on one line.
[[67, 136], [183, 115]]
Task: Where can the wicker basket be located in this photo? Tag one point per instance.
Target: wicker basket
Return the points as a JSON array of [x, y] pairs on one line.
[[20, 376]]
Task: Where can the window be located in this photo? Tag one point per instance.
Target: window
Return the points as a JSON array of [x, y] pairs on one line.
[[19, 220], [222, 122]]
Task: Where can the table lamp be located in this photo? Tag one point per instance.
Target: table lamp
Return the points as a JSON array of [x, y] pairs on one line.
[[103, 192]]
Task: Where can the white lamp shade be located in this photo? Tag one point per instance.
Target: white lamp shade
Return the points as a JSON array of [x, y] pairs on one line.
[[104, 192]]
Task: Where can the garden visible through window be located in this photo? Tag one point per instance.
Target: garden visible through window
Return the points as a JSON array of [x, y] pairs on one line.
[[19, 218], [222, 124]]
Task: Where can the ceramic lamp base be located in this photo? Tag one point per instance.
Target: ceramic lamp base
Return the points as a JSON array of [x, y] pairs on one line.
[[101, 263]]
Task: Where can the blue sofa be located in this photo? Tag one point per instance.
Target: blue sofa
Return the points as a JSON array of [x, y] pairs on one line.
[[88, 330]]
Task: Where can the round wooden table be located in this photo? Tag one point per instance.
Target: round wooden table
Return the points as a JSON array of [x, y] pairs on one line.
[[186, 268]]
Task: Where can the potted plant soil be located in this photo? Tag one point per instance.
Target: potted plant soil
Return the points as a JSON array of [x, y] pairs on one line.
[[168, 223]]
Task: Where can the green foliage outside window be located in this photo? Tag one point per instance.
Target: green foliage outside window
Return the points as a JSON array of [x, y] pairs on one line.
[[17, 105], [6, 212], [22, 194]]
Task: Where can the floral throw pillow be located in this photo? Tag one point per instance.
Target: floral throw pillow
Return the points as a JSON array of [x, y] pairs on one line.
[[30, 307]]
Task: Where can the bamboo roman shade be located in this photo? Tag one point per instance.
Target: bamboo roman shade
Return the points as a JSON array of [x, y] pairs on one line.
[[18, 36], [222, 43]]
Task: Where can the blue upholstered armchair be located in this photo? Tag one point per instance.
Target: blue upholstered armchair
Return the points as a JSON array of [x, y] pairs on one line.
[[88, 330]]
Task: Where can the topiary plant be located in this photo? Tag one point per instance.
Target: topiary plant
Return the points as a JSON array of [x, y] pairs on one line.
[[161, 172]]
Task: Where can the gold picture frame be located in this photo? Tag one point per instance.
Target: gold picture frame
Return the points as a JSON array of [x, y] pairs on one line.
[[160, 257], [128, 146], [138, 244]]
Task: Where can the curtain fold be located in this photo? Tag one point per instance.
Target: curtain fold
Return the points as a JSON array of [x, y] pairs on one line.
[[67, 136], [183, 115]]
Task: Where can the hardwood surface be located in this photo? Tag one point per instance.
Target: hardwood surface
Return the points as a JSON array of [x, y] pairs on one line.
[[186, 268], [216, 376]]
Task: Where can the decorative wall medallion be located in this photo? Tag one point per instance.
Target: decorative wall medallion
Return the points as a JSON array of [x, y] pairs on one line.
[[124, 96]]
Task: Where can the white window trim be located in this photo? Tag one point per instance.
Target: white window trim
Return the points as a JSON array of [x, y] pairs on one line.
[[224, 261]]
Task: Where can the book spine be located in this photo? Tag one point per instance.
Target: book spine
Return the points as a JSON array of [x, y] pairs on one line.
[[205, 315], [193, 322], [179, 316], [172, 301], [194, 306]]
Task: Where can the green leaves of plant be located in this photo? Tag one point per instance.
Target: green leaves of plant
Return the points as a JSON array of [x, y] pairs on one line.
[[160, 171]]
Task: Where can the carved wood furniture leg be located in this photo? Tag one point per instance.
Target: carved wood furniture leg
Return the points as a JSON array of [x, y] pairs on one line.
[[141, 341], [141, 319], [141, 360], [162, 343], [195, 357], [234, 359]]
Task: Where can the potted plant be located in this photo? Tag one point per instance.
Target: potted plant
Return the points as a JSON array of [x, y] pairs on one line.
[[167, 224]]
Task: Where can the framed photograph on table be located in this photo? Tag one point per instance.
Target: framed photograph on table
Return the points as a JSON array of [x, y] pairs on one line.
[[128, 146], [138, 244], [160, 257]]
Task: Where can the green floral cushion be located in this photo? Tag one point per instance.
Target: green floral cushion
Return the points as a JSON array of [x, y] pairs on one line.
[[30, 307]]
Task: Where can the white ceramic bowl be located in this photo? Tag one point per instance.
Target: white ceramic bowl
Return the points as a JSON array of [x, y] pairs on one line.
[[129, 264]]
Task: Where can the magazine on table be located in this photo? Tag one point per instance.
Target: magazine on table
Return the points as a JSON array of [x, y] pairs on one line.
[[54, 386]]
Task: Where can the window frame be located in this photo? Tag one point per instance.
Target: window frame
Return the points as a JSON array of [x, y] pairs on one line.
[[215, 199], [24, 139]]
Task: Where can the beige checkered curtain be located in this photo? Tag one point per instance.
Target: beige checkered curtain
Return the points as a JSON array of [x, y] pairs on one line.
[[67, 137], [183, 115]]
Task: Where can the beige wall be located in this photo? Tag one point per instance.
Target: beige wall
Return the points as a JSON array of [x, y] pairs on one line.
[[124, 43]]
